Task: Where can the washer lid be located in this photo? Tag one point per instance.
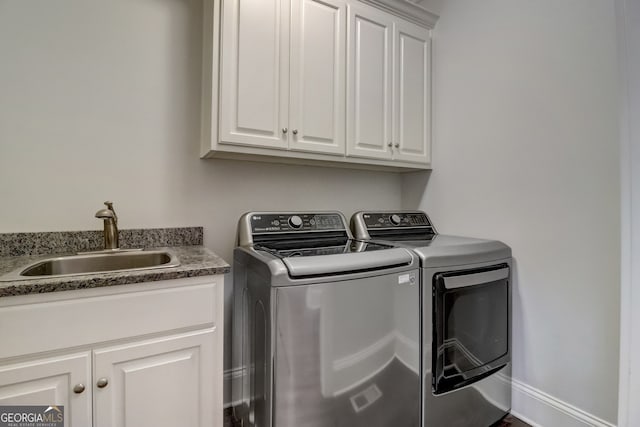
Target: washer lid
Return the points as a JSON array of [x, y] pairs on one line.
[[323, 265], [318, 246]]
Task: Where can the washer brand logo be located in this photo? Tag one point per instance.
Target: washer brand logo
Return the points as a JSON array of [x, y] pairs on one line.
[[256, 217], [32, 416], [409, 278]]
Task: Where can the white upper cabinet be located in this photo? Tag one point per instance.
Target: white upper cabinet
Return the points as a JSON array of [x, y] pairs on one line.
[[282, 79], [323, 82], [388, 87], [317, 79], [370, 83], [412, 96], [254, 69], [423, 12]]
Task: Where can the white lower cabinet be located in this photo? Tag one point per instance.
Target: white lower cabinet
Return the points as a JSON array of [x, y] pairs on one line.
[[157, 383], [163, 370], [62, 380]]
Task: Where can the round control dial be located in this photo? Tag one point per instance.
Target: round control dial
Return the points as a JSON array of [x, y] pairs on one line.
[[395, 219], [295, 221]]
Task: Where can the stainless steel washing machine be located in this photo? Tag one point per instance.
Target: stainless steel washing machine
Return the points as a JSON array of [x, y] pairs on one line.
[[466, 317], [326, 328]]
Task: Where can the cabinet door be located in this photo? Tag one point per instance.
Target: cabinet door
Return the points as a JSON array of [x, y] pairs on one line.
[[254, 72], [318, 71], [369, 82], [166, 382], [412, 98], [51, 382]]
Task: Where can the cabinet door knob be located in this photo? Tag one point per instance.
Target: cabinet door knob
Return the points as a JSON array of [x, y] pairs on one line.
[[295, 131], [397, 145], [285, 130], [390, 144], [102, 382], [79, 388]]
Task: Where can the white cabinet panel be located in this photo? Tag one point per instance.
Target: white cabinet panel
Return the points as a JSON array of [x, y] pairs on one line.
[[317, 83], [50, 382], [254, 54], [106, 317], [388, 88], [412, 93], [369, 100], [166, 382], [152, 381], [321, 82]]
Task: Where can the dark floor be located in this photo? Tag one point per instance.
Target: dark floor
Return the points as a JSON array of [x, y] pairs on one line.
[[511, 421], [508, 421], [228, 422]]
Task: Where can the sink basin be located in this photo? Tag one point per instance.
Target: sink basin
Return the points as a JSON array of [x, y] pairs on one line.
[[95, 263]]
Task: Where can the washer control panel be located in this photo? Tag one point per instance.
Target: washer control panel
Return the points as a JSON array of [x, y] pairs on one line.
[[393, 220], [285, 222]]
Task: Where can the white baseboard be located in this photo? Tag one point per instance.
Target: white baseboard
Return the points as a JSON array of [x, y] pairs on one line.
[[540, 409]]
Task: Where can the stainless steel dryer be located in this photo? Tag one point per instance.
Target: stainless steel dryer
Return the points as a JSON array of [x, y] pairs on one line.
[[466, 327], [326, 328]]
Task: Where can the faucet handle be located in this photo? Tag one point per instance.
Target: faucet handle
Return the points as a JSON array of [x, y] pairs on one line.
[[104, 214], [107, 213], [109, 206]]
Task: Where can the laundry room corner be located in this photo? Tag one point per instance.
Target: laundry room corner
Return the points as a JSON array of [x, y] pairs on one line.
[[525, 143]]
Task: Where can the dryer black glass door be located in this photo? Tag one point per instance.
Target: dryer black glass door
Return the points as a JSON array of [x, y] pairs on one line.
[[471, 326]]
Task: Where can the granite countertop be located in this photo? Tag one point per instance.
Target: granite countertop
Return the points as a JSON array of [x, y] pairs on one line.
[[195, 260]]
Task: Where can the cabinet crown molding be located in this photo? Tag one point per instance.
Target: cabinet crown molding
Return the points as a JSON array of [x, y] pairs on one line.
[[407, 9]]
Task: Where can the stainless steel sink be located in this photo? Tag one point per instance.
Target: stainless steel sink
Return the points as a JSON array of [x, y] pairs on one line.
[[94, 263]]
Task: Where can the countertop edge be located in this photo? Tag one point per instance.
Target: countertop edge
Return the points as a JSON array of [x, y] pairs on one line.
[[195, 261]]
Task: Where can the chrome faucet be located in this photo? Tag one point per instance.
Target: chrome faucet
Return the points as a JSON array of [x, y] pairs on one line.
[[110, 226]]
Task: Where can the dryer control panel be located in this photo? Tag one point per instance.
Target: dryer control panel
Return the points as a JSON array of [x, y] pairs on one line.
[[392, 225], [391, 220]]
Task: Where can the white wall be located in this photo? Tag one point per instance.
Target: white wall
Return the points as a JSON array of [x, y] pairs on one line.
[[629, 55], [526, 151], [100, 100]]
